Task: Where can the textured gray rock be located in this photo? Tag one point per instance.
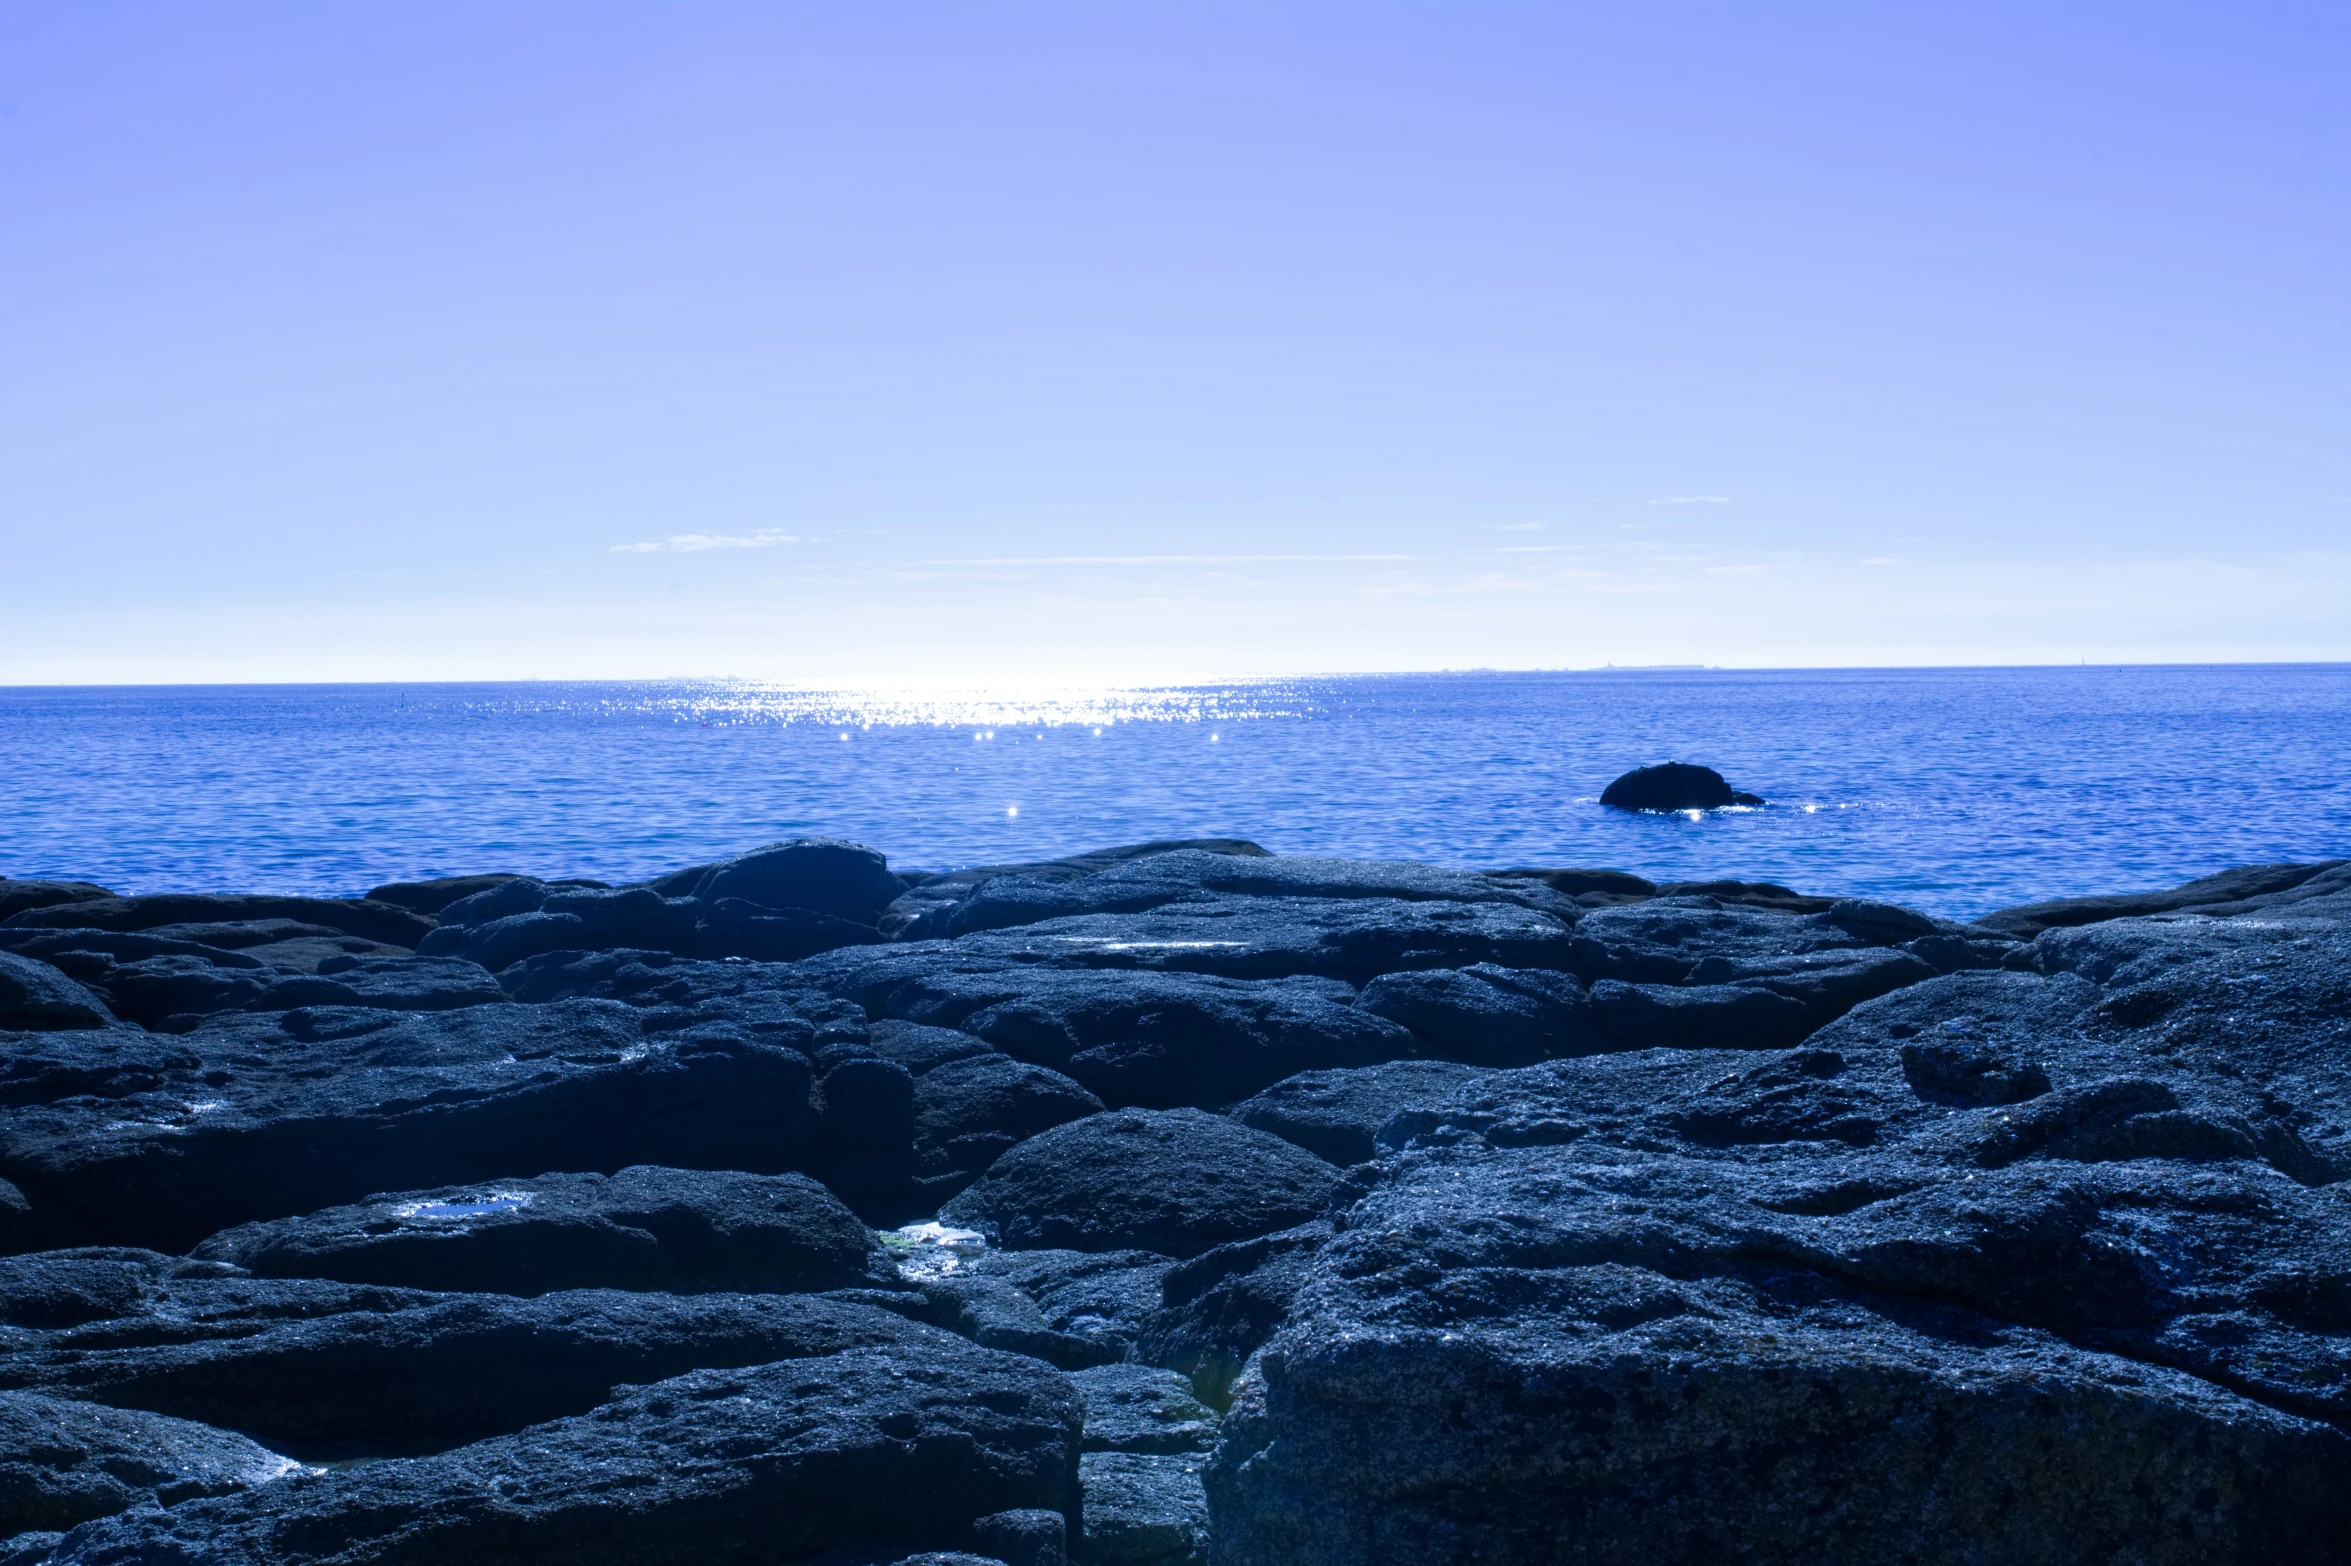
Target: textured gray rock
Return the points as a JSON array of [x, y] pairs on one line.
[[328, 1105], [1489, 1015], [2229, 887], [1172, 1181], [1336, 1115], [2051, 1259], [17, 896], [1191, 875], [329, 1370], [683, 1231], [1135, 1408], [968, 1111], [35, 997], [64, 1462], [1142, 1510], [1160, 1040], [856, 1449]]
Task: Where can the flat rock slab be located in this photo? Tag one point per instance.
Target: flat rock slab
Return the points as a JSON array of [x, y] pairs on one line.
[[1172, 1181], [64, 1462], [1142, 1510], [352, 916], [1136, 1408], [339, 1370], [862, 1449], [288, 1115], [682, 1231], [1158, 1040]]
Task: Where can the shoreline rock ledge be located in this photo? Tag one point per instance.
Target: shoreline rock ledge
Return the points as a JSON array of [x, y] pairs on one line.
[[1178, 1204]]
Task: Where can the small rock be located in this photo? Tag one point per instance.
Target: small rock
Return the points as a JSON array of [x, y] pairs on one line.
[[1673, 785]]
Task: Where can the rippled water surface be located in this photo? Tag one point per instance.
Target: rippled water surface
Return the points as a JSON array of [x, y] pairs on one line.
[[1955, 790]]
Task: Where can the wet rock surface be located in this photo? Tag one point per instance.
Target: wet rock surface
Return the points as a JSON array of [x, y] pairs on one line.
[[680, 1231], [1538, 1215]]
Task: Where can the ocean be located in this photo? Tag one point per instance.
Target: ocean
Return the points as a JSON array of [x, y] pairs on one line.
[[1952, 790]]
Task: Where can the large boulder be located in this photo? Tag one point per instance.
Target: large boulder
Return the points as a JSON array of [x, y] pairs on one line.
[[877, 1451], [846, 881], [1172, 1181], [34, 997], [2010, 1265], [1673, 785], [64, 1462], [683, 1231], [1487, 1014], [325, 1106], [969, 1111]]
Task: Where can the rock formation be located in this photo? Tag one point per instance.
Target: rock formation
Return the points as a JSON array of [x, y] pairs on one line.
[[1173, 1203]]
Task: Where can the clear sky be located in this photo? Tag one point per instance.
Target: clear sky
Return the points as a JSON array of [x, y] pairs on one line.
[[975, 342]]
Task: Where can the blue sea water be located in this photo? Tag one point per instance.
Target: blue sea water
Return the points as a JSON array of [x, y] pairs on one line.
[[1955, 790]]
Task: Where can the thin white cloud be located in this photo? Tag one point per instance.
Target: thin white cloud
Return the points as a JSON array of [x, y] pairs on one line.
[[1514, 527], [692, 543], [1079, 560], [1691, 500]]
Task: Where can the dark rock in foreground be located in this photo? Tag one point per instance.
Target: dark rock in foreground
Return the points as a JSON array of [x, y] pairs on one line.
[[1673, 785], [65, 1462], [1542, 1214], [859, 1449]]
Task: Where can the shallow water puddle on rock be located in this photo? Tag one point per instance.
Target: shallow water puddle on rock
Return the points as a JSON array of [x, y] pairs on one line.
[[491, 1206], [932, 1249]]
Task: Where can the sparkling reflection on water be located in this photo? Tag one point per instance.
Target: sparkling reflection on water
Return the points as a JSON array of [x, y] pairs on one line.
[[1954, 790]]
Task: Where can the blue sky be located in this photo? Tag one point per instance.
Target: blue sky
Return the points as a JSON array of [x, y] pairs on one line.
[[957, 343]]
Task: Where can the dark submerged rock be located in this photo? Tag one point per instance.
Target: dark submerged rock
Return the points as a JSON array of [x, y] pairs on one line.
[[1173, 1181], [682, 1231], [1673, 785]]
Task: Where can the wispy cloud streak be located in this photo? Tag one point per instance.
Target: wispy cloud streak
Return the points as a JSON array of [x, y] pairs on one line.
[[693, 543]]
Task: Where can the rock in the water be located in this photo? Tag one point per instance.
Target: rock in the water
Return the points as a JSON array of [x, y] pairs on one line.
[[1336, 1114], [683, 1231], [63, 1462], [1173, 1181], [1673, 785], [34, 997], [876, 1451]]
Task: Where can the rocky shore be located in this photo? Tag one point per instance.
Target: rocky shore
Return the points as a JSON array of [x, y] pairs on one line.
[[1176, 1202]]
